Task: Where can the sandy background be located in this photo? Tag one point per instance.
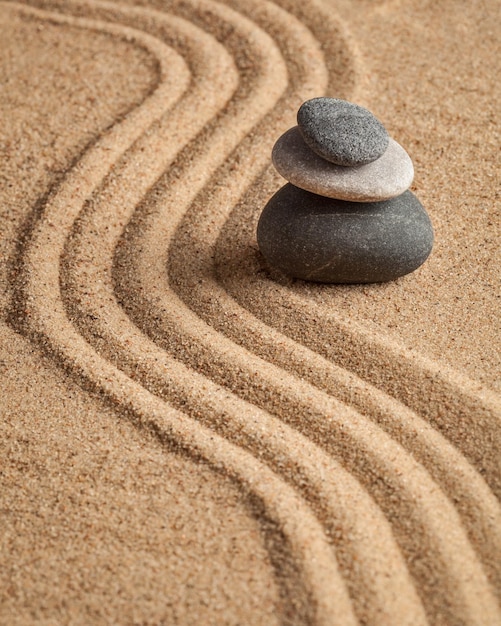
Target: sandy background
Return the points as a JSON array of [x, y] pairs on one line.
[[189, 437]]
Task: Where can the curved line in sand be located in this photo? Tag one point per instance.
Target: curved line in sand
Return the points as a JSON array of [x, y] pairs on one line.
[[164, 322], [415, 622], [149, 361], [48, 322], [465, 486], [478, 507], [433, 390], [448, 555], [489, 505]]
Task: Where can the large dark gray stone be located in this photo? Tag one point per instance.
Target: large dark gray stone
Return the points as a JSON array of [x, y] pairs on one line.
[[334, 241], [341, 132]]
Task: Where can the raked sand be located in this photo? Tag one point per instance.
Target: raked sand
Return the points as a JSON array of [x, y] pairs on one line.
[[189, 437]]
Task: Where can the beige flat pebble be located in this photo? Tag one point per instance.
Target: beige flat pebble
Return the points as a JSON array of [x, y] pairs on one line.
[[384, 178]]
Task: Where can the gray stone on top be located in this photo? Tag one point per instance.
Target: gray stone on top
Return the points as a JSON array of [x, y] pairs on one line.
[[334, 241], [341, 132], [388, 176]]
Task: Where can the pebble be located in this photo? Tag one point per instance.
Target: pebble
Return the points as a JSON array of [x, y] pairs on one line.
[[387, 177], [326, 240], [342, 132]]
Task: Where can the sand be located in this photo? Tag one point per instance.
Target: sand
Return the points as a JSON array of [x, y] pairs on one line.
[[188, 436]]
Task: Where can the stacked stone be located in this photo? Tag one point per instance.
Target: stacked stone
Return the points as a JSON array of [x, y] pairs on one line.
[[346, 215]]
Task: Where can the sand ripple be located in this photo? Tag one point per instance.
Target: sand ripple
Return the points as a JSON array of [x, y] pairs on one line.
[[141, 278]]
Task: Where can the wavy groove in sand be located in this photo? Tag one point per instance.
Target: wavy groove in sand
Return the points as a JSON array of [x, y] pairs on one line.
[[151, 359], [132, 149], [148, 362], [158, 306], [142, 276], [325, 589]]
